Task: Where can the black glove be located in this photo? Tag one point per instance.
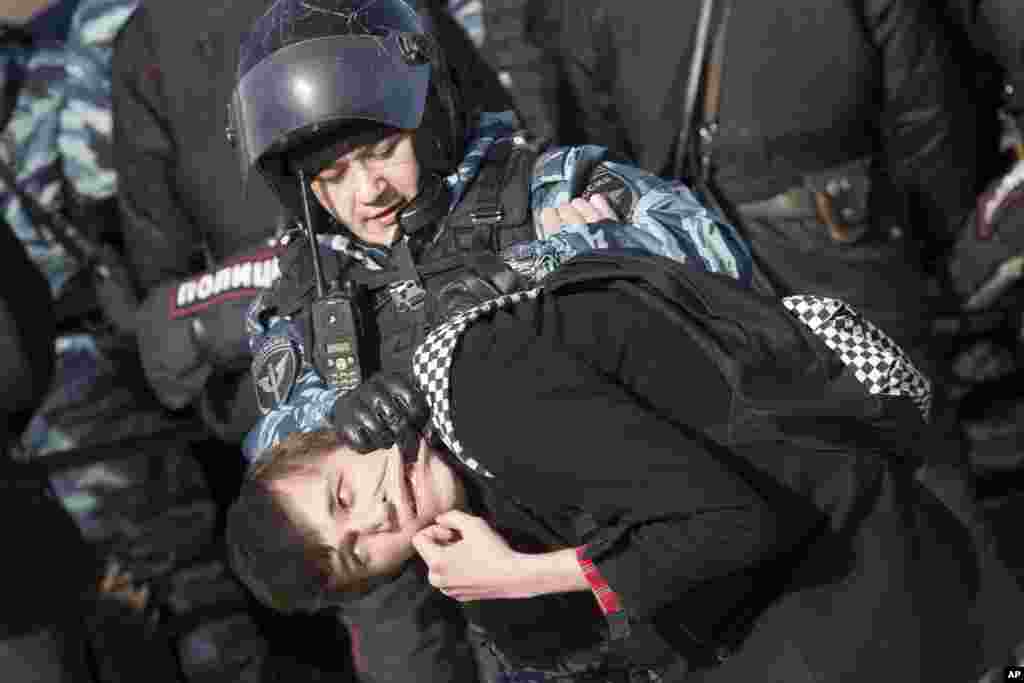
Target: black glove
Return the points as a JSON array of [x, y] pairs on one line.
[[486, 278], [383, 410]]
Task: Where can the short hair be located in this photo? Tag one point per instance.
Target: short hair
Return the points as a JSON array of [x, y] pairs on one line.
[[286, 563]]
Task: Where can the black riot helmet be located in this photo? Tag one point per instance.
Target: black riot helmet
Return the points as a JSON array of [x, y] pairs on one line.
[[316, 74]]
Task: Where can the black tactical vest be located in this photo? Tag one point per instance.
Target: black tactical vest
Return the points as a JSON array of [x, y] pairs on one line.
[[392, 304]]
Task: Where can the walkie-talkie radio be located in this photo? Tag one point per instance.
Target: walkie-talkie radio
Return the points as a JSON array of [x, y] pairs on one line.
[[335, 319]]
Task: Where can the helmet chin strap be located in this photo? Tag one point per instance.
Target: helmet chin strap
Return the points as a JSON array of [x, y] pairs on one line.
[[427, 209]]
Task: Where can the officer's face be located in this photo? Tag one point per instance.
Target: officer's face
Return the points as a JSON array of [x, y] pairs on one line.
[[370, 506], [367, 187]]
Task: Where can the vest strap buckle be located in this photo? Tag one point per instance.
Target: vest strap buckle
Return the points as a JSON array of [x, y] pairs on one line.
[[487, 216]]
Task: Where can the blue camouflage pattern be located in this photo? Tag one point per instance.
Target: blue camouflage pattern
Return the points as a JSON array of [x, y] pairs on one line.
[[59, 137], [666, 220], [58, 142]]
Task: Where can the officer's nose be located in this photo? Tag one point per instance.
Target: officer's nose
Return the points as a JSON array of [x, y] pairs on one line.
[[370, 184]]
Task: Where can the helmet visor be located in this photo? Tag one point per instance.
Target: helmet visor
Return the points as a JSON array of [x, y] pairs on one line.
[[313, 84]]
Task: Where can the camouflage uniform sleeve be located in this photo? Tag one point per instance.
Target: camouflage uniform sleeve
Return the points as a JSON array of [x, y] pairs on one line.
[[292, 395], [657, 217], [29, 146], [86, 125]]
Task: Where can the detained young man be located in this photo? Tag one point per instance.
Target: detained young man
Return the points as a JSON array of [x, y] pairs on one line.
[[621, 484]]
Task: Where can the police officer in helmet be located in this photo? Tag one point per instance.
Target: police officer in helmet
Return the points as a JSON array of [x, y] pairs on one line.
[[347, 108], [417, 209]]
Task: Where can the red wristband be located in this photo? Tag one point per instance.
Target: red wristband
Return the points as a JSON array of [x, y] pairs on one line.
[[606, 597]]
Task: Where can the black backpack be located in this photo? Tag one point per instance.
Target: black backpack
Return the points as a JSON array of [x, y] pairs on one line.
[[756, 339], [801, 415]]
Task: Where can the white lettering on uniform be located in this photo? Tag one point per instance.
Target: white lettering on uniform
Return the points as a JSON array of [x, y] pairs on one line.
[[265, 272], [241, 275], [186, 293], [205, 286], [223, 281], [260, 275], [245, 275]]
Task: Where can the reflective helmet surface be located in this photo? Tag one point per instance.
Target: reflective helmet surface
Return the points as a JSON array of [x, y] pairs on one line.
[[310, 66]]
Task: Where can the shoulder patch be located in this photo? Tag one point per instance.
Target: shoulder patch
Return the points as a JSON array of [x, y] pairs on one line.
[[275, 370]]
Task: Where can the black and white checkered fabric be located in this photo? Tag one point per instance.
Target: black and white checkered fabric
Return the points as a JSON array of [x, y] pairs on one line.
[[432, 361], [878, 362]]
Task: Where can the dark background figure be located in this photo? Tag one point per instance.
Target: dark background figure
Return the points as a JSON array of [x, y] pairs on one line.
[[999, 31], [873, 115], [48, 568], [986, 37], [1004, 21], [524, 69], [519, 39], [476, 76], [989, 363]]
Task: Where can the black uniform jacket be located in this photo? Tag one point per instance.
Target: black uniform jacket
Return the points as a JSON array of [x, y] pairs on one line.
[[806, 85], [46, 566], [179, 180], [999, 31]]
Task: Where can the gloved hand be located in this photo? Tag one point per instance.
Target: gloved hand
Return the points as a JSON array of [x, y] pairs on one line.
[[383, 410]]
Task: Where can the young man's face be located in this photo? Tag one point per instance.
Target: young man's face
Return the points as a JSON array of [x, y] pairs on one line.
[[370, 506], [367, 187]]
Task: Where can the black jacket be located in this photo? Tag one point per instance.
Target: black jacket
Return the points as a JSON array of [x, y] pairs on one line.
[[179, 179], [27, 331], [47, 566], [806, 85], [527, 68], [997, 27], [583, 460], [770, 509]]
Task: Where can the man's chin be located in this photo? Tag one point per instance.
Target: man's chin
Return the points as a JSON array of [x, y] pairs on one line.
[[378, 233]]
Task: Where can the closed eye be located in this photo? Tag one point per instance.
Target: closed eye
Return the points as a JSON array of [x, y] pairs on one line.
[[335, 501]]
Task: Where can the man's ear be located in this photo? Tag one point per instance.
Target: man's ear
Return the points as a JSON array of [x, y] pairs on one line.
[[322, 197], [317, 186]]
